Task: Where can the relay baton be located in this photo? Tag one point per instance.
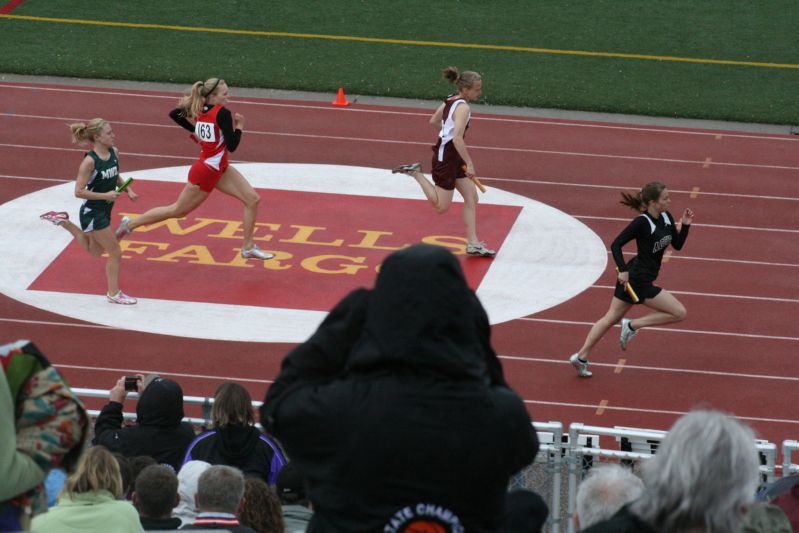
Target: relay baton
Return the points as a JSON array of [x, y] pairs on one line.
[[629, 289], [122, 187], [476, 181]]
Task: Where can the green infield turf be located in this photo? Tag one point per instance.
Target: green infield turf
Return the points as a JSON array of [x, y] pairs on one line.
[[729, 60]]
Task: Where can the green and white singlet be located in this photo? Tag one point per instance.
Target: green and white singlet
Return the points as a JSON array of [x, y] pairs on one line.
[[96, 214]]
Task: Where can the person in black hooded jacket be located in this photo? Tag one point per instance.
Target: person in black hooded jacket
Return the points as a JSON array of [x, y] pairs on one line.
[[235, 441], [396, 409], [159, 431]]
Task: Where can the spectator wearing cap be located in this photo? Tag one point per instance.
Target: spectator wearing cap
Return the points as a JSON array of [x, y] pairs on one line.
[[220, 498], [703, 478], [398, 404], [234, 439], [606, 489], [155, 494], [297, 511], [159, 431]]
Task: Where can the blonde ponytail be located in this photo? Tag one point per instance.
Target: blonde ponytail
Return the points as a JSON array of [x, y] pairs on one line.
[[83, 133], [192, 104]]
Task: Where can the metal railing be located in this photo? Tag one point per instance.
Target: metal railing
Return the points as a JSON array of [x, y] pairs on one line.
[[577, 450]]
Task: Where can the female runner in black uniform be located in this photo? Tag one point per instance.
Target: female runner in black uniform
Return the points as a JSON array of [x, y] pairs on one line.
[[653, 231]]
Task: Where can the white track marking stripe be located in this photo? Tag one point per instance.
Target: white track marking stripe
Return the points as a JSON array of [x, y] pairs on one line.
[[194, 158], [476, 147], [719, 226], [51, 323], [723, 260], [553, 321], [321, 106], [59, 180], [672, 330], [655, 368], [128, 371], [619, 187], [717, 295], [656, 411]]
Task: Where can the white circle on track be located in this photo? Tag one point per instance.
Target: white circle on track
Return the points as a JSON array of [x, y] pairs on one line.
[[547, 258]]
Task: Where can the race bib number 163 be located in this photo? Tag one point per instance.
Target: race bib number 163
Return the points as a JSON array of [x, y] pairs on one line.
[[205, 131]]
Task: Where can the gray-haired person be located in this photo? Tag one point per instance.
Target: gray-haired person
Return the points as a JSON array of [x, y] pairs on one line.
[[606, 489], [220, 497], [703, 478]]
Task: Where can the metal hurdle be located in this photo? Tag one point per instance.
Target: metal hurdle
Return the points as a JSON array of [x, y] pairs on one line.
[[550, 438], [579, 451], [636, 444], [576, 449], [788, 466]]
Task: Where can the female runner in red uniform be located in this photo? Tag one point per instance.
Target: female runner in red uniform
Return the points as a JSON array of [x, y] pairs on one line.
[[215, 131], [654, 229], [452, 164]]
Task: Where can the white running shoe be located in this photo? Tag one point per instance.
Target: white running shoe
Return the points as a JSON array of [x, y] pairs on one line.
[[255, 253], [56, 217], [580, 367], [480, 250], [407, 169], [121, 298], [627, 333], [123, 230]]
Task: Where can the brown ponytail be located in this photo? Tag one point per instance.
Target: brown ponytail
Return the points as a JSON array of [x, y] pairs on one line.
[[192, 103], [639, 200], [84, 133], [462, 80]]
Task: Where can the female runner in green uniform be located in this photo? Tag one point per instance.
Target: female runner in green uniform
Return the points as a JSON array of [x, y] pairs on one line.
[[98, 178]]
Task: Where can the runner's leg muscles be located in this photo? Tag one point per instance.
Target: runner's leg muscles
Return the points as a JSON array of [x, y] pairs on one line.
[[668, 310], [618, 308]]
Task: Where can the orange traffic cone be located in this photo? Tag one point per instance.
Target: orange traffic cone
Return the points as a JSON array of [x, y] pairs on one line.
[[341, 100]]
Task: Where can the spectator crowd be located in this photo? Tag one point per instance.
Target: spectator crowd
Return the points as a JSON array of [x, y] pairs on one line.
[[393, 417]]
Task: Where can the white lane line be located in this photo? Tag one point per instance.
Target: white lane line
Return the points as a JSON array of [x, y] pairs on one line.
[[655, 368], [587, 217], [53, 323], [671, 330], [717, 259], [529, 319], [321, 106], [717, 295], [621, 187], [122, 153], [571, 184], [654, 411], [129, 371], [471, 146], [6, 176], [719, 226]]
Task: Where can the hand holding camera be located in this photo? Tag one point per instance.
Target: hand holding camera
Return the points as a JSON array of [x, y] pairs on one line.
[[124, 385]]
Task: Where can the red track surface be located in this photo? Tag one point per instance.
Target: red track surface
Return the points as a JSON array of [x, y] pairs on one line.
[[737, 274]]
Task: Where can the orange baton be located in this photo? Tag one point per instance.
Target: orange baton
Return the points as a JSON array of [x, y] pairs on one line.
[[476, 181], [629, 289]]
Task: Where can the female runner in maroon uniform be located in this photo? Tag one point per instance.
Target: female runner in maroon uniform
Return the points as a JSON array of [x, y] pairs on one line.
[[213, 129], [452, 164], [653, 230]]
